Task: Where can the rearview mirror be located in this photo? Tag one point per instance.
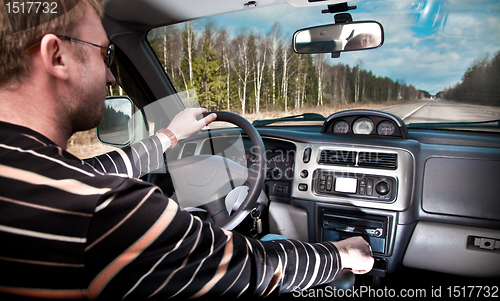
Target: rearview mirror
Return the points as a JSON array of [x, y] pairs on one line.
[[339, 37], [116, 129]]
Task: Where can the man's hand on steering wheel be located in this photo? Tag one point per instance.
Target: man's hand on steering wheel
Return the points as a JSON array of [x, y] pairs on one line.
[[186, 123], [207, 179]]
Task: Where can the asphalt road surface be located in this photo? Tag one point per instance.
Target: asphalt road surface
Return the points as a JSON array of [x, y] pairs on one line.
[[438, 110]]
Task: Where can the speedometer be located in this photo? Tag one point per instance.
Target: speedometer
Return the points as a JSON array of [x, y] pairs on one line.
[[280, 166], [363, 126], [246, 160]]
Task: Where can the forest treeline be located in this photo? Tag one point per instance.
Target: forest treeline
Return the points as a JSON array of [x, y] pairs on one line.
[[113, 120], [480, 83], [252, 71]]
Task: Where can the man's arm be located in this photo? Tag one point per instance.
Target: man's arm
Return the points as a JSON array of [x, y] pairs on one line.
[[134, 160], [147, 155], [141, 245]]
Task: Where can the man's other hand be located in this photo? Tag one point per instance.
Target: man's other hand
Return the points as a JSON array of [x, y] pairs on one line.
[[355, 254]]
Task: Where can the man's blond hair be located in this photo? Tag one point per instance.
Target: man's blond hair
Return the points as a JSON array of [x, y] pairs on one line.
[[14, 61]]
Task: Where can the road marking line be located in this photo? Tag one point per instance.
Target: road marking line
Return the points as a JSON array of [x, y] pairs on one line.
[[414, 111]]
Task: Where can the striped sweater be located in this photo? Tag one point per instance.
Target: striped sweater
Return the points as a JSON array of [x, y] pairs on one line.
[[70, 231]]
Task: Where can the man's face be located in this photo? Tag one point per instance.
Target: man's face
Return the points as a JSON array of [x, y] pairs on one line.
[[91, 75]]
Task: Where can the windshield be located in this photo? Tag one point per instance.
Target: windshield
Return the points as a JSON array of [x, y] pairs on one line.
[[439, 63]]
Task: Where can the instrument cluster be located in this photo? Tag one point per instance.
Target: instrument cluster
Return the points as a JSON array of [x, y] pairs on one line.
[[365, 122]]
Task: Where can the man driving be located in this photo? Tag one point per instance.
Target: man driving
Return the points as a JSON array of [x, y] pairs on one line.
[[71, 231]]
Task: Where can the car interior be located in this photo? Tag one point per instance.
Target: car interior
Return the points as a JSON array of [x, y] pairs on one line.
[[424, 196]]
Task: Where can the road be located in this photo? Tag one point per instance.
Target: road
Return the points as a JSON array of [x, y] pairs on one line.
[[438, 110]]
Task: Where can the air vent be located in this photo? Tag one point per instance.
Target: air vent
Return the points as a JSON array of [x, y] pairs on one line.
[[378, 160], [337, 157], [188, 150]]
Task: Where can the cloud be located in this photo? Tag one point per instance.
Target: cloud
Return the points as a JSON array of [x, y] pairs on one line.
[[428, 44], [431, 57]]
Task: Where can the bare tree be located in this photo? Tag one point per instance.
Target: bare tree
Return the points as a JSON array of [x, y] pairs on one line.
[[275, 35], [244, 44], [172, 50], [208, 34], [260, 63], [357, 75], [188, 37], [285, 78], [223, 45], [320, 71]]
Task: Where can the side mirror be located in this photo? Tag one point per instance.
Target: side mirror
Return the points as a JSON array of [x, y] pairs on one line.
[[116, 128], [339, 37]]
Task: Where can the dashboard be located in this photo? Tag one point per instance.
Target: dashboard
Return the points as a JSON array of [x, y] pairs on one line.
[[378, 179]]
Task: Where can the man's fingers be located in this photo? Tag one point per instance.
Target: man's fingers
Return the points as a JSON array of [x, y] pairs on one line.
[[198, 111], [209, 118]]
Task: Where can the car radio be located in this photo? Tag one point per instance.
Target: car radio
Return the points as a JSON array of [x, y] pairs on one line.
[[337, 226], [373, 187]]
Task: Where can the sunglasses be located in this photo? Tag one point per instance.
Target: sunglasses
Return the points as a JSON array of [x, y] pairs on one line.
[[107, 53]]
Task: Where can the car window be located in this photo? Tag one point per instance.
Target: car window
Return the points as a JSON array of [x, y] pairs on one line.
[[439, 62]]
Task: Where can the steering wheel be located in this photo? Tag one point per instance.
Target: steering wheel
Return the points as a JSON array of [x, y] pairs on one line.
[[204, 181]]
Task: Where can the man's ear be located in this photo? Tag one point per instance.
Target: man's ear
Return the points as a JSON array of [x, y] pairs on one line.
[[55, 56]]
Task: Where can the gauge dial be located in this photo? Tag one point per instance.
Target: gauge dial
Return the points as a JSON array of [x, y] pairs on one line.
[[386, 128], [363, 126], [280, 167], [341, 127], [246, 160]]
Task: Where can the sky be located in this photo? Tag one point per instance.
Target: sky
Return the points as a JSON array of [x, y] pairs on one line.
[[428, 44], [120, 104]]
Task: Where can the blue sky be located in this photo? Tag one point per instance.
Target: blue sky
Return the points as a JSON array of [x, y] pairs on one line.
[[428, 43]]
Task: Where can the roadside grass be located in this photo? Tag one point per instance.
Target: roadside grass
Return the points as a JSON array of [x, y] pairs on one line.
[[325, 110], [85, 145]]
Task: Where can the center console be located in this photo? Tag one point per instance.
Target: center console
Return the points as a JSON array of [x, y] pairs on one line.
[[356, 190], [376, 227], [337, 226]]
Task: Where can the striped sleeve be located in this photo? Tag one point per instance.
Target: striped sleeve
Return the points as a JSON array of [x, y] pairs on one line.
[[154, 250], [134, 161], [69, 232]]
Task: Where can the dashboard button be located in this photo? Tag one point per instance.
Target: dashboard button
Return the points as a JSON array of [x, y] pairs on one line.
[[382, 188], [304, 174], [329, 183], [369, 187], [362, 189], [280, 189], [307, 155], [303, 187]]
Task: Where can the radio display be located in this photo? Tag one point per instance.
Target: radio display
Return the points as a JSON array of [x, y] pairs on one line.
[[347, 185]]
